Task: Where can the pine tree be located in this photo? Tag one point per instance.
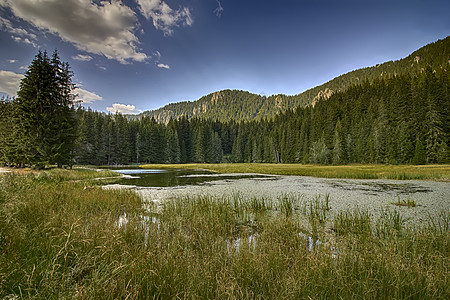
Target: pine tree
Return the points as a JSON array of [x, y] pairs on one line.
[[45, 116], [7, 127], [320, 154], [420, 155], [338, 155]]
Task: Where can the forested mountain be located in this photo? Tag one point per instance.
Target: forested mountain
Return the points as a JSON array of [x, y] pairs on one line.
[[397, 120], [237, 105]]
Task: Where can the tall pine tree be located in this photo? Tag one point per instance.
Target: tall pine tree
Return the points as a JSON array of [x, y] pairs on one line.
[[44, 113]]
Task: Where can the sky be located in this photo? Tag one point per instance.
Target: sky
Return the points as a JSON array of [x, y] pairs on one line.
[[136, 55]]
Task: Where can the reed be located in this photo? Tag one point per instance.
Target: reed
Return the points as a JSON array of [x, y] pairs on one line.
[[59, 240]]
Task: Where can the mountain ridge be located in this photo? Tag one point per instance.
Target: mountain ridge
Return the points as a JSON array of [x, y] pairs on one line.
[[239, 105]]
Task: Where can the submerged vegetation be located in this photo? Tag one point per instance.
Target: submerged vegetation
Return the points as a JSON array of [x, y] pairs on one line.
[[59, 240]]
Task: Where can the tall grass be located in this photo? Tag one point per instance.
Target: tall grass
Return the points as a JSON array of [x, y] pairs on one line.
[[58, 240]]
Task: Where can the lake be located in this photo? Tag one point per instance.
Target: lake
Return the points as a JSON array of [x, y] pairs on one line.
[[174, 177], [431, 197]]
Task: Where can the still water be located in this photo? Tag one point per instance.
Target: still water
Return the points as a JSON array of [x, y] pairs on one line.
[[173, 177]]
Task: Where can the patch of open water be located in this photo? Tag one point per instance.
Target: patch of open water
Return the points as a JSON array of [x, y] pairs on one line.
[[155, 186], [143, 178]]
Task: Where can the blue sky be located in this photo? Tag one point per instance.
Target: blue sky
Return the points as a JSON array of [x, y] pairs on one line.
[[136, 55]]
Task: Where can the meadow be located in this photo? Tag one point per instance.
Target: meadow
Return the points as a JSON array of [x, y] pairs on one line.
[[367, 171], [59, 239]]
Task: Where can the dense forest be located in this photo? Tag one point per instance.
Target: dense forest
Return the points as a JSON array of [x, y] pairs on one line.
[[235, 105], [396, 119]]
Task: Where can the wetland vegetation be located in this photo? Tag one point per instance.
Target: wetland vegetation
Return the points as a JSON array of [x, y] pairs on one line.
[[60, 240], [64, 235], [367, 171]]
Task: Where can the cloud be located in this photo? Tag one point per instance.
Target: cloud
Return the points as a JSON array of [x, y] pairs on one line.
[[82, 57], [12, 61], [218, 11], [10, 82], [164, 17], [104, 29], [122, 108], [157, 55], [163, 66], [7, 25], [27, 41], [86, 96]]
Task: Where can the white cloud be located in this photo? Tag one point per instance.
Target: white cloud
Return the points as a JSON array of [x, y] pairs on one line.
[[19, 39], [7, 25], [163, 66], [12, 61], [218, 11], [164, 17], [82, 57], [86, 96], [105, 29], [122, 108], [10, 82], [157, 55]]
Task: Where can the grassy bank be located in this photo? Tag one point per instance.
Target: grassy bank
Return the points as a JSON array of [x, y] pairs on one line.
[[400, 172], [59, 240]]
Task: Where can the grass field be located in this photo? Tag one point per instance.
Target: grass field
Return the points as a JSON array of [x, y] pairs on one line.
[[400, 172], [60, 240]]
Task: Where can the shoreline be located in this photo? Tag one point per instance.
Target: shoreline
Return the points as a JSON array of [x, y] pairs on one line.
[[431, 197]]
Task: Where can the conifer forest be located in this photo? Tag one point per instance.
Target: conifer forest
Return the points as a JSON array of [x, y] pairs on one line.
[[403, 118], [399, 120]]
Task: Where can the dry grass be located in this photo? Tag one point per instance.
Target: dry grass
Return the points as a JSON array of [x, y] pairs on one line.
[[58, 240], [400, 172]]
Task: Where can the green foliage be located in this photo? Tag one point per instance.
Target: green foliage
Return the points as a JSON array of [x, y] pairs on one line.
[[235, 105], [368, 123], [420, 155], [59, 240], [42, 129], [408, 202], [398, 116]]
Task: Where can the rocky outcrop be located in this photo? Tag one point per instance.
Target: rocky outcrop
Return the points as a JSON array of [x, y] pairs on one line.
[[322, 95]]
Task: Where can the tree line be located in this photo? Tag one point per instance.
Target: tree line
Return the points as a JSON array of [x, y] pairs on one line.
[[397, 120]]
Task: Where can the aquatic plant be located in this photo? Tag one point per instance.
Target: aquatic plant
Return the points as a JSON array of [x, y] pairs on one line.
[[59, 240]]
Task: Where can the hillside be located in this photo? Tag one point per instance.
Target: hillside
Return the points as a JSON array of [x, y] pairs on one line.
[[238, 105]]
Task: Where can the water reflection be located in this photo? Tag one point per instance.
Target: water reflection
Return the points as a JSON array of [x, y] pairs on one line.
[[175, 177]]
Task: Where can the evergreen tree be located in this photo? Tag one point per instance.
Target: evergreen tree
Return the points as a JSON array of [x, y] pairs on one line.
[[320, 154], [420, 155], [8, 154], [45, 131], [338, 155]]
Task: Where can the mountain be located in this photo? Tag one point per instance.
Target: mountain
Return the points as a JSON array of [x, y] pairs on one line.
[[239, 105]]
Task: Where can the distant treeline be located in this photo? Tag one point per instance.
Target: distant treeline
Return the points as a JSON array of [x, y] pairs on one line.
[[398, 120]]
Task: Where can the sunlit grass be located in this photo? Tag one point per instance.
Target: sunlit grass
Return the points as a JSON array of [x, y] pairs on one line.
[[59, 240], [400, 172], [60, 174]]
